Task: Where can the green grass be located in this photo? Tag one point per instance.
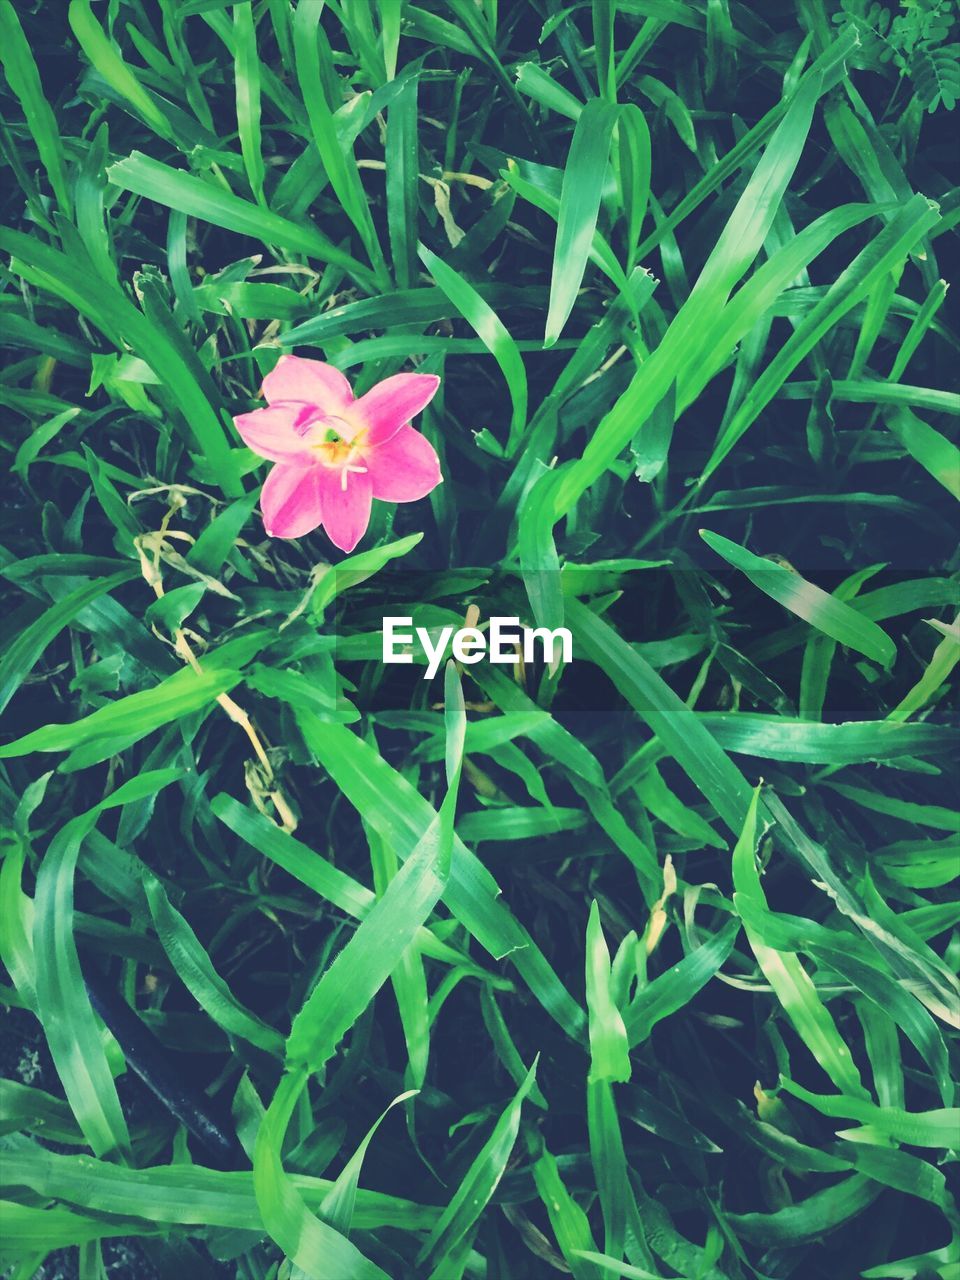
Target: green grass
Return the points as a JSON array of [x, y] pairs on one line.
[[643, 966]]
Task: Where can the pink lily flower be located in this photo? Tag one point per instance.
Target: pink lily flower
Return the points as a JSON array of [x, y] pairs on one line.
[[333, 453]]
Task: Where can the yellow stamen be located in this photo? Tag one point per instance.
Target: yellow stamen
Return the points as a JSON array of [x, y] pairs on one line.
[[337, 452]]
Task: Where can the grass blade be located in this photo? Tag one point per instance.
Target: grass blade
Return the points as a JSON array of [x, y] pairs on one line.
[[491, 331], [477, 1185], [609, 1050], [825, 612], [934, 452], [24, 79], [101, 52], [194, 968], [247, 76], [579, 205], [789, 980], [177, 189]]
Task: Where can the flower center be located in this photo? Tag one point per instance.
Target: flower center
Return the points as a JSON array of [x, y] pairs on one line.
[[334, 450]]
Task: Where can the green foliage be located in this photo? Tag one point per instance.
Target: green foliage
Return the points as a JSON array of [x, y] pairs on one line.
[[919, 40], [641, 965]]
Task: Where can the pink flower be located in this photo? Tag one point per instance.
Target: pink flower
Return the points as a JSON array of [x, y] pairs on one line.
[[333, 453]]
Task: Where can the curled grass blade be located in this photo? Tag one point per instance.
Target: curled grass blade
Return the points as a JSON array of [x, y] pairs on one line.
[[937, 1128], [609, 1050], [492, 332]]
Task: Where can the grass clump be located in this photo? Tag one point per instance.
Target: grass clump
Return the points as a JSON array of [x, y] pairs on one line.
[[638, 965]]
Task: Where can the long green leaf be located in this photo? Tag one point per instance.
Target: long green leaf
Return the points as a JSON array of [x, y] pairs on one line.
[[790, 981], [935, 453], [104, 56], [130, 718], [24, 79], [176, 189], [609, 1050], [195, 970], [936, 1128], [187, 1194], [478, 1183], [392, 806], [493, 334], [28, 646], [63, 1005], [822, 610], [579, 205]]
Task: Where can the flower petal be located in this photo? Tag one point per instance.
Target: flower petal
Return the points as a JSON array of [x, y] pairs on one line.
[[271, 432], [290, 500], [404, 468], [393, 402], [346, 511], [309, 381]]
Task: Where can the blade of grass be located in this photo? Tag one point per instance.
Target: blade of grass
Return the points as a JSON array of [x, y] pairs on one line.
[[339, 1204], [583, 177], [103, 55], [609, 1050], [63, 1005], [742, 237], [24, 79], [391, 16], [790, 981], [569, 1222], [318, 1250], [402, 155], [28, 646], [809, 1219], [670, 991], [176, 189], [338, 161], [130, 718], [824, 611], [937, 1128], [195, 969], [393, 807], [677, 727], [246, 73], [477, 1185], [364, 965], [934, 452], [945, 658], [492, 332], [341, 995], [67, 276], [634, 168], [188, 1194], [871, 265]]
